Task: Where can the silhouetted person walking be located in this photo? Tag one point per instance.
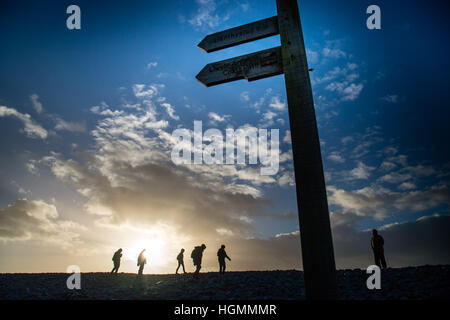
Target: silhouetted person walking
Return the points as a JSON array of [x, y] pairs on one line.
[[180, 259], [377, 244], [196, 256], [142, 260], [116, 260], [221, 254]]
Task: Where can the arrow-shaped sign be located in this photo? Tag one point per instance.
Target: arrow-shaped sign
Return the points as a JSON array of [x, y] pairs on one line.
[[242, 34], [253, 66]]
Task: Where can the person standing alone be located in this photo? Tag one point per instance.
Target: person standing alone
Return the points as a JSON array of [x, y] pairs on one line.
[[377, 245], [221, 255]]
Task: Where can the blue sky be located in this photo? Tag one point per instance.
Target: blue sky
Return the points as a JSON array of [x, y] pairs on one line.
[[76, 104]]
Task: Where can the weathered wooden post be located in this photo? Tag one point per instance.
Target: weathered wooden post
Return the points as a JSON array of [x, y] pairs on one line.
[[290, 59], [315, 231]]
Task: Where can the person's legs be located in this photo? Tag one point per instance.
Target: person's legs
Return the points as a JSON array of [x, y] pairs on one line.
[[377, 258], [179, 263], [141, 269], [221, 266], [197, 270], [182, 263], [383, 260]]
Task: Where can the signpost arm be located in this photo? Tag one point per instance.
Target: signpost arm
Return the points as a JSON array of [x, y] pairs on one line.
[[315, 231]]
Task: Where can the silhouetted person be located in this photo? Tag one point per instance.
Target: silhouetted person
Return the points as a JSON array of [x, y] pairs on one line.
[[377, 243], [142, 260], [180, 259], [221, 254], [116, 260], [196, 256]]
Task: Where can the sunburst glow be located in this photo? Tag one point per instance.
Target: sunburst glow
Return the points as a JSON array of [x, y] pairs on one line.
[[155, 248]]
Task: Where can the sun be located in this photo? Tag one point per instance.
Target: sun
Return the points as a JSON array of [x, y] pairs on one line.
[[154, 251]]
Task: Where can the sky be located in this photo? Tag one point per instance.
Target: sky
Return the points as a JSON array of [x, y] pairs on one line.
[[86, 122]]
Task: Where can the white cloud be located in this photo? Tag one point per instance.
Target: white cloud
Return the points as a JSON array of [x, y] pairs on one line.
[[245, 96], [268, 118], [361, 171], [371, 137], [333, 53], [313, 56], [31, 128], [287, 137], [379, 202], [352, 92], [69, 126], [151, 65], [336, 157], [37, 220], [31, 167], [407, 173], [348, 92], [261, 101], [170, 110], [131, 164], [60, 123], [218, 118], [347, 139], [286, 179], [277, 104], [36, 104], [245, 6], [206, 16], [399, 159], [285, 156], [333, 49], [387, 166], [395, 177], [146, 91], [391, 98], [342, 81], [407, 186]]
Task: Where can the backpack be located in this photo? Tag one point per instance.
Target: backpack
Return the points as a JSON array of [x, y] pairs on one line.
[[196, 252]]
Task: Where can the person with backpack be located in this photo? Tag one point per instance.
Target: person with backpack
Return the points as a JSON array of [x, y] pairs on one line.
[[180, 259], [221, 254], [196, 256], [116, 260]]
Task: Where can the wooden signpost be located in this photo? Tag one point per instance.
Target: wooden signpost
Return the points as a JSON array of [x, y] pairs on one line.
[[253, 66], [239, 35], [315, 231]]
